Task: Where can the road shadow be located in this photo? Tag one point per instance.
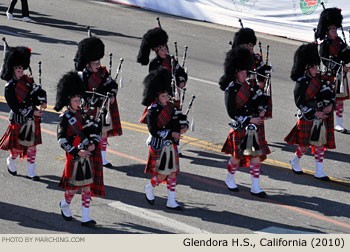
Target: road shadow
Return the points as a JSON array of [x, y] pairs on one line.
[[47, 20], [48, 221], [211, 185], [329, 154], [205, 158], [198, 210], [195, 209], [18, 32]]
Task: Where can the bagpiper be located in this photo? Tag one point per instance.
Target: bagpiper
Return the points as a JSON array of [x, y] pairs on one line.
[[166, 124], [98, 81], [246, 37], [156, 39], [314, 97], [244, 103], [79, 136], [335, 55], [23, 97]]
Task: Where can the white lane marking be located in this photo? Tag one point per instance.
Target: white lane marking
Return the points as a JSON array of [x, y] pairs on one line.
[[157, 218], [279, 230], [205, 81]]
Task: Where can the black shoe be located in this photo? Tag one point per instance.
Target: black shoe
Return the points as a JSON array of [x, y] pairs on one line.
[[66, 218], [151, 202], [108, 165], [297, 172], [343, 130], [90, 223], [178, 208], [35, 178], [325, 178], [180, 154], [13, 173], [261, 194], [233, 189]]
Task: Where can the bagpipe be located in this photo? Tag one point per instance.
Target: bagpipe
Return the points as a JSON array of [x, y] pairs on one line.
[[183, 116], [98, 115], [6, 46], [93, 123]]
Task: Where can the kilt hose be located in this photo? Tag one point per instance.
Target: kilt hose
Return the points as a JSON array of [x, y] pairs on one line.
[[10, 138], [234, 139], [301, 133], [97, 187], [153, 157]]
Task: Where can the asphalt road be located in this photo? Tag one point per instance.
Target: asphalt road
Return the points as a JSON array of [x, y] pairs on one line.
[[296, 204]]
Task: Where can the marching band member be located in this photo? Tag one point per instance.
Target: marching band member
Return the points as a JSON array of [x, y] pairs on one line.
[[79, 139], [335, 54], [96, 77], [166, 124], [244, 103], [246, 37], [156, 39], [23, 96], [314, 96]]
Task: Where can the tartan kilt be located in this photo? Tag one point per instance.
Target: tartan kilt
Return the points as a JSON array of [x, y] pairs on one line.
[[117, 127], [97, 187], [153, 157], [301, 133], [235, 138], [10, 138]]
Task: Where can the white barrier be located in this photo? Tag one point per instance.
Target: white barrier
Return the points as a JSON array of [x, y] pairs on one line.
[[288, 18]]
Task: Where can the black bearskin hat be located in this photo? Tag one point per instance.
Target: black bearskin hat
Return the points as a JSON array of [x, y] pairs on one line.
[[157, 81], [68, 86], [244, 36], [89, 49], [15, 56], [328, 17], [237, 59], [305, 55], [151, 39]]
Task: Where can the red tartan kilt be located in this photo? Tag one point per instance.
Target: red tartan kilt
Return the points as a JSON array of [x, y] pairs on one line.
[[117, 126], [153, 157], [97, 187], [10, 138], [235, 138], [301, 133]]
